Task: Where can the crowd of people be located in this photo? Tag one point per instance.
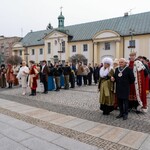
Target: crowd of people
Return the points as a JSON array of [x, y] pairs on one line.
[[122, 83], [72, 75]]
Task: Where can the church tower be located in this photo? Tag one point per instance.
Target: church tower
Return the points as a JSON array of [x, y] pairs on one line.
[[61, 19]]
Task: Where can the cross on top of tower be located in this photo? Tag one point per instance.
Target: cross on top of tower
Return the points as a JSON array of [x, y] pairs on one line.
[[61, 9], [61, 19]]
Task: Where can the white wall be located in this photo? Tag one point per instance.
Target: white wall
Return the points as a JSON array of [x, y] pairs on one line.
[[85, 53], [70, 49], [40, 57], [106, 35], [128, 50], [107, 53], [79, 50], [55, 46]]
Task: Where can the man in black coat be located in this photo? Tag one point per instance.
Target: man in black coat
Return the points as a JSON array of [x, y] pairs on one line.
[[96, 73], [66, 72], [90, 74], [123, 78], [57, 72], [44, 76], [72, 75]]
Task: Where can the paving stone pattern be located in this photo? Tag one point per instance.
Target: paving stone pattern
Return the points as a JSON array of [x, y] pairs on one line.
[[76, 135], [34, 138], [80, 102]]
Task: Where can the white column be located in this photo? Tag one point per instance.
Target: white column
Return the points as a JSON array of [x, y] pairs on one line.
[[95, 53], [118, 53]]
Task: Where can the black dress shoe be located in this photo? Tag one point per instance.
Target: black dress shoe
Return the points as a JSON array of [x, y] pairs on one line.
[[57, 90], [119, 116], [44, 92], [105, 113], [125, 117], [71, 87]]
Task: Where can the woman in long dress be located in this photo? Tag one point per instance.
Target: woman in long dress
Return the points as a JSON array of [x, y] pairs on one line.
[[15, 72], [33, 76], [23, 74], [106, 87], [3, 76], [10, 75]]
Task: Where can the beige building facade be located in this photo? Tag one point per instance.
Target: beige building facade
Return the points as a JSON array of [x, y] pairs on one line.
[[113, 38], [6, 45]]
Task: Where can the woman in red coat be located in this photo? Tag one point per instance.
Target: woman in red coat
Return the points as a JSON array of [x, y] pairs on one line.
[[33, 76], [10, 75]]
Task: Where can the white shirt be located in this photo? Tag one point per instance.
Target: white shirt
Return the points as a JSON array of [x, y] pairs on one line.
[[43, 68]]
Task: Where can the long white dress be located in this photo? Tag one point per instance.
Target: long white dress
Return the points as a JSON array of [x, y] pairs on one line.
[[23, 75]]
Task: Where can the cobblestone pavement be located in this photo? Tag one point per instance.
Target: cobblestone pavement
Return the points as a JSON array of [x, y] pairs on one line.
[[81, 102]]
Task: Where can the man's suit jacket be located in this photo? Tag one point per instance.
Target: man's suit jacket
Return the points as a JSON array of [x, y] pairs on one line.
[[45, 73]]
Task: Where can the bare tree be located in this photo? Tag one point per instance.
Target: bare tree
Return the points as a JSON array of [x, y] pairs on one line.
[[14, 60], [78, 58], [49, 27]]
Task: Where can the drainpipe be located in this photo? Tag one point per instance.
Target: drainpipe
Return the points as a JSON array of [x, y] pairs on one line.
[[93, 53], [123, 47]]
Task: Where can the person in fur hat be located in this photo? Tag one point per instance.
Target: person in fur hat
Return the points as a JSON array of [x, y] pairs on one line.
[[105, 86]]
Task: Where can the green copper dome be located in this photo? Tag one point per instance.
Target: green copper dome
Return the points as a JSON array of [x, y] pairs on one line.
[[61, 16], [61, 19]]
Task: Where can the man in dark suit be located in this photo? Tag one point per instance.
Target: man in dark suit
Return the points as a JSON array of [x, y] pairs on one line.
[[123, 78], [96, 73], [90, 74], [66, 72], [44, 76], [57, 72]]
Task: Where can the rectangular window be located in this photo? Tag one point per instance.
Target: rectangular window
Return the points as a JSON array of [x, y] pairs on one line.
[[132, 43], [20, 52], [63, 47], [74, 48], [49, 48], [85, 47], [41, 51], [33, 52], [107, 46]]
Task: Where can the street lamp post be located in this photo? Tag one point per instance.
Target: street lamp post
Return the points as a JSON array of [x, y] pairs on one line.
[[26, 55], [131, 42], [60, 47], [60, 52]]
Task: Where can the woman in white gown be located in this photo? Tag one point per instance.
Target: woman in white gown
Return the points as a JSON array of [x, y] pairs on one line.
[[23, 74]]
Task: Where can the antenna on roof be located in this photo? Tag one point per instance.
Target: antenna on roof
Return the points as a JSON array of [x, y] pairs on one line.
[[130, 11]]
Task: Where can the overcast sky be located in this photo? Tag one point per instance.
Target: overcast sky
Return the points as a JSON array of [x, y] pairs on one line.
[[18, 17]]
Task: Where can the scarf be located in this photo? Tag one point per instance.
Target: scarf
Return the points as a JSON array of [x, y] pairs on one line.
[[104, 71]]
